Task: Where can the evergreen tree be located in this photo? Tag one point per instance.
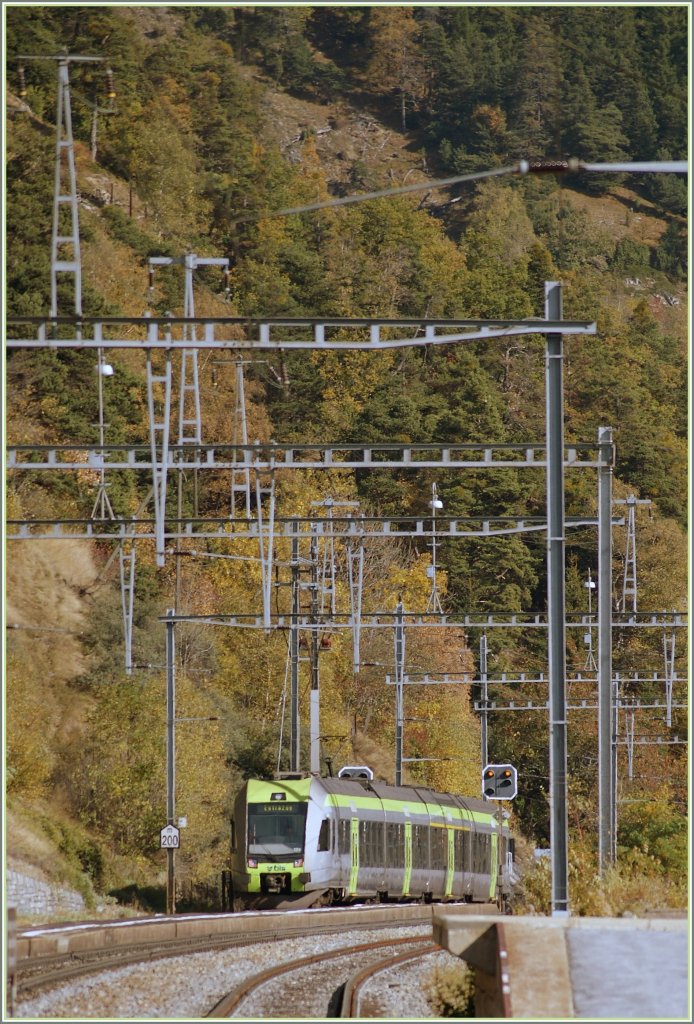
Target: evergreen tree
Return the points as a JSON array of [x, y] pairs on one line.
[[396, 64], [535, 109]]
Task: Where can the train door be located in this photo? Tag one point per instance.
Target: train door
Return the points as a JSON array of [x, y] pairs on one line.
[[408, 859], [493, 866], [354, 863], [450, 861]]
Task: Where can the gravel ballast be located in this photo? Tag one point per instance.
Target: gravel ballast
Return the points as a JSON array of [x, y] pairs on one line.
[[190, 986]]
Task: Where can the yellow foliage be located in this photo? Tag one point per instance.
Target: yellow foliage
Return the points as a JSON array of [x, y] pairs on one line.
[[202, 780], [412, 585], [29, 723]]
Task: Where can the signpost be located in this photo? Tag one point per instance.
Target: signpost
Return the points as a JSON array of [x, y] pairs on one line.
[[499, 782], [170, 838]]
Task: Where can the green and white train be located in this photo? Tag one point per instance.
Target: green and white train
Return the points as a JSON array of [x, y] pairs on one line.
[[339, 840]]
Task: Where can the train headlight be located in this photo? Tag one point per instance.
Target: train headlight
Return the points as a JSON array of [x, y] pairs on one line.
[[299, 863], [252, 862]]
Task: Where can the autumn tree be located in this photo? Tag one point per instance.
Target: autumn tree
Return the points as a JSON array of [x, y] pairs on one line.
[[396, 64]]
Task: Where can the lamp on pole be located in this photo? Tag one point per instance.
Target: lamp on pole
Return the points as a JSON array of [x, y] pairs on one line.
[[434, 602]]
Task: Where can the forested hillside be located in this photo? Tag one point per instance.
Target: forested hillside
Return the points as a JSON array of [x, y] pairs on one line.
[[222, 117]]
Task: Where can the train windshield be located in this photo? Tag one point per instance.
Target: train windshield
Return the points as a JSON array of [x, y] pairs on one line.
[[276, 830]]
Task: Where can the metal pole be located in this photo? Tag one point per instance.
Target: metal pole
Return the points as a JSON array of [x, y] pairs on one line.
[[606, 794], [127, 592], [315, 692], [170, 758], [629, 587], [95, 117], [615, 762], [240, 437], [65, 193], [399, 690], [669, 654], [556, 606], [434, 602], [590, 659], [294, 659], [159, 445], [629, 730], [485, 697], [499, 860]]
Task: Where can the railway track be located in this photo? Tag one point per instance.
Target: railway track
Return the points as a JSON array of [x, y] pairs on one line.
[[48, 971], [353, 994], [49, 957], [290, 989]]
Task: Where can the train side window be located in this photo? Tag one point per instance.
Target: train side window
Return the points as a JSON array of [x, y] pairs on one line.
[[232, 837], [396, 844], [438, 849], [370, 844], [420, 848], [324, 836], [343, 836], [461, 859]]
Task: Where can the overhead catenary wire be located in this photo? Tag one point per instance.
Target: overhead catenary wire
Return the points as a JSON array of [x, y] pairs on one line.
[[569, 166]]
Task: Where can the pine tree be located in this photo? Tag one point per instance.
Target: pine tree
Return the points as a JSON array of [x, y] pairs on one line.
[[397, 63]]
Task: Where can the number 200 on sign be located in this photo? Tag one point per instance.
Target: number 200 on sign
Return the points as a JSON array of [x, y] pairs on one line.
[[170, 840]]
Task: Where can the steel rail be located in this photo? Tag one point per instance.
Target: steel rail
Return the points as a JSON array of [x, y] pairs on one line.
[[353, 988], [47, 971], [226, 1006], [80, 950]]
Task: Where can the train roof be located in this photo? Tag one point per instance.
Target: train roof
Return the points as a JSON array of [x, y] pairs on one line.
[[407, 794], [299, 788]]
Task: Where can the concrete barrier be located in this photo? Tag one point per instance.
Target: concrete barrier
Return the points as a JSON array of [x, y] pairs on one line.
[[542, 967]]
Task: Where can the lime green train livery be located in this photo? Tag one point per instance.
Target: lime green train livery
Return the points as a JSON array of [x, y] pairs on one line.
[[308, 840]]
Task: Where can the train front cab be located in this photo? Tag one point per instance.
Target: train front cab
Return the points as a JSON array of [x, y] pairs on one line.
[[268, 839]]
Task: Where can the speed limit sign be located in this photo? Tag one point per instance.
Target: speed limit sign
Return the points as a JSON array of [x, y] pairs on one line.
[[170, 837]]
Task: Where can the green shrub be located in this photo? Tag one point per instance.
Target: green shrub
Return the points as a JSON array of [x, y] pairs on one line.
[[124, 229], [450, 991], [631, 257]]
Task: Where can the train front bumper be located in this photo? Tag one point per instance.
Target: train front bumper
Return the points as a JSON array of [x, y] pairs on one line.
[[276, 879]]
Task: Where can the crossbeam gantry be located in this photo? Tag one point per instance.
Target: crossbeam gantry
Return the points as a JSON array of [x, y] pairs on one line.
[[243, 333], [271, 456]]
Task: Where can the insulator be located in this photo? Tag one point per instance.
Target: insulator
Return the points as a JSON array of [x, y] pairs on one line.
[[549, 166], [110, 87], [22, 82], [151, 279], [226, 280]]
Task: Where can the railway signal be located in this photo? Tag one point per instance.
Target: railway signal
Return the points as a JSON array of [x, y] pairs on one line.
[[499, 782]]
